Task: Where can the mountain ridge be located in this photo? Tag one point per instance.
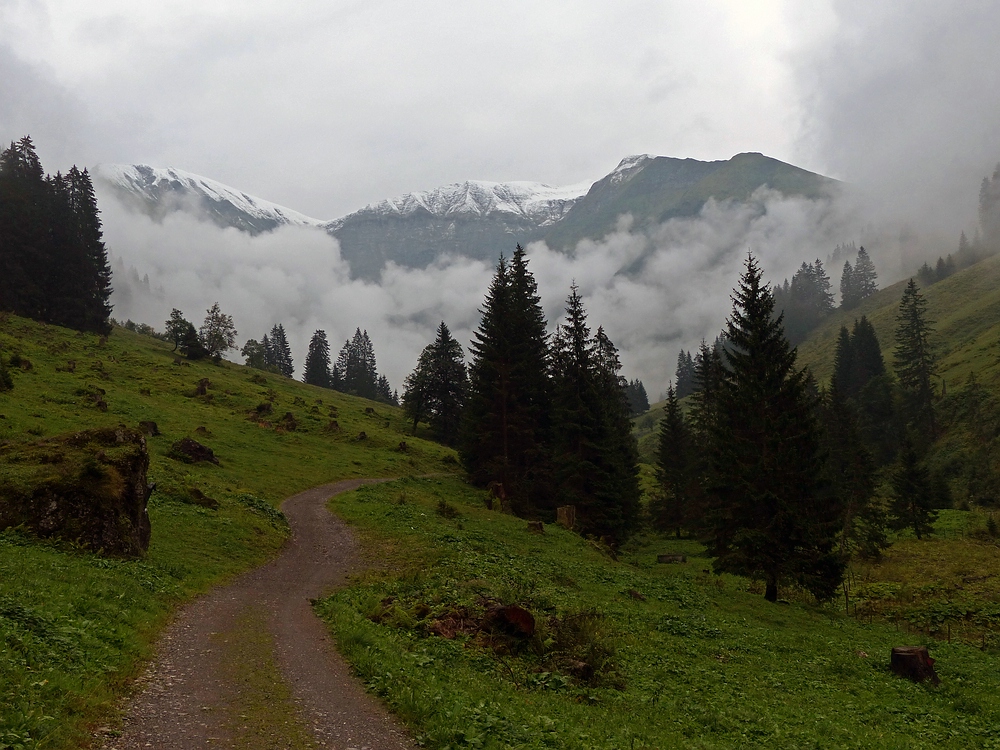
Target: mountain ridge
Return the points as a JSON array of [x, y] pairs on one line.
[[478, 219]]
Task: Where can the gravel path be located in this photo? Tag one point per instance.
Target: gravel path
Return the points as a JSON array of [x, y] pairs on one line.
[[250, 664]]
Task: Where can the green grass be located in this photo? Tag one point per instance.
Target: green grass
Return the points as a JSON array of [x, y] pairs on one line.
[[689, 659], [75, 628]]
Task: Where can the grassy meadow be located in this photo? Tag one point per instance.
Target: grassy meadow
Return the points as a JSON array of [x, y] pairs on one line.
[[679, 657], [75, 628]]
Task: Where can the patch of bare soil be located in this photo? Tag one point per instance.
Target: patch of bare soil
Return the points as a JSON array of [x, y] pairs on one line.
[[250, 666]]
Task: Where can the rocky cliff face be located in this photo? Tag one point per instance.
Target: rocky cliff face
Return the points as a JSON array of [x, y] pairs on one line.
[[88, 487]]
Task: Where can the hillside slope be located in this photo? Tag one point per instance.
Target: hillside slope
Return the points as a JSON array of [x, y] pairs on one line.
[[76, 627], [964, 308]]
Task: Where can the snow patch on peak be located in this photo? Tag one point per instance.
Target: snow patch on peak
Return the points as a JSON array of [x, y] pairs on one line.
[[629, 167], [532, 201], [155, 184]]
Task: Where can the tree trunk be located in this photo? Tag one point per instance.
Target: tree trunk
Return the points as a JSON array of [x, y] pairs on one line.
[[771, 592]]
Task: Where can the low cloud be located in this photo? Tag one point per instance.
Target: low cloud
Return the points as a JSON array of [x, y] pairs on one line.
[[654, 291]]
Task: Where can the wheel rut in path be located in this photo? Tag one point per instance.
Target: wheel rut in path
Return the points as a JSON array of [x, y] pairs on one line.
[[249, 665]]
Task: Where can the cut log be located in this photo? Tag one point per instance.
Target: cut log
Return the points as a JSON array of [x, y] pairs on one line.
[[566, 516], [914, 663], [671, 558]]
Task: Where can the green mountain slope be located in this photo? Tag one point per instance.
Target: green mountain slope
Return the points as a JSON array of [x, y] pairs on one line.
[[965, 309], [659, 188], [75, 627]]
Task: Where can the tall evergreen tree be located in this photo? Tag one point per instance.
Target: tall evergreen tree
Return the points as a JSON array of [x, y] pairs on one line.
[[506, 430], [279, 353], [913, 494], [770, 516], [593, 449], [865, 281], [685, 375], [674, 507], [914, 359], [638, 399], [848, 295], [435, 391], [317, 366]]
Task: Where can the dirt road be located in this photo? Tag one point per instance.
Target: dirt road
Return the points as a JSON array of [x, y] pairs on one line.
[[250, 666]]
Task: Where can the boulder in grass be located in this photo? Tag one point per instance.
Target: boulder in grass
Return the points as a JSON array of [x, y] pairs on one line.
[[87, 487], [191, 452]]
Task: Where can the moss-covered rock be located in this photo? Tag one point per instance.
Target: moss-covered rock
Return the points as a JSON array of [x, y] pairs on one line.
[[88, 487]]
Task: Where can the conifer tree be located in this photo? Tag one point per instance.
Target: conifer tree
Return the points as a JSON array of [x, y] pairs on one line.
[[770, 516], [435, 391], [848, 295], [865, 279], [506, 429], [850, 471], [913, 494], [638, 399], [317, 366], [673, 507], [190, 345], [594, 457], [914, 359], [685, 374], [279, 353]]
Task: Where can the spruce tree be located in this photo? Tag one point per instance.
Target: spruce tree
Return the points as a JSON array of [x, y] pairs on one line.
[[913, 494], [914, 359], [865, 279], [279, 353], [770, 514], [594, 454], [436, 389], [638, 400], [848, 294], [674, 506], [685, 374], [317, 366], [505, 436]]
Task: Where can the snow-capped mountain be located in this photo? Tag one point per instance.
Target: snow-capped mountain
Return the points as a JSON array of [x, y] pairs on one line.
[[163, 190], [477, 219], [530, 201]]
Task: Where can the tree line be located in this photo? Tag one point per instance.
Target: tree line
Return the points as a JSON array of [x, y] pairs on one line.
[[541, 420], [785, 480], [53, 262]]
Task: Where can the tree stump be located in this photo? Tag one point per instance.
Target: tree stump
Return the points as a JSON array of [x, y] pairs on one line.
[[914, 663], [671, 558], [536, 527], [566, 516]]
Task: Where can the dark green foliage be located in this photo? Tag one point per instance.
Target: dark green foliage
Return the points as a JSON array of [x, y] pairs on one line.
[[6, 381], [217, 333], [638, 400], [505, 437], [857, 359], [317, 368], [770, 514], [676, 506], [356, 371], [942, 270], [53, 262], [707, 381], [913, 494], [190, 345], [914, 360], [176, 328], [594, 454], [858, 282], [684, 378], [804, 302], [435, 391], [254, 353], [277, 352], [850, 471]]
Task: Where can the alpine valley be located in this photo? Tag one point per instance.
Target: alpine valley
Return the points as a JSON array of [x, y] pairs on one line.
[[477, 219]]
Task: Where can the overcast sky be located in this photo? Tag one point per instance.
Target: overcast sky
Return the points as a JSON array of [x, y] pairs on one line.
[[327, 105]]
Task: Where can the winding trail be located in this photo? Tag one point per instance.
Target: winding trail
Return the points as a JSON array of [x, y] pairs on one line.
[[249, 665]]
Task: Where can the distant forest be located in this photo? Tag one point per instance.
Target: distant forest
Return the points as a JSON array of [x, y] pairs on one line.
[[53, 262]]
